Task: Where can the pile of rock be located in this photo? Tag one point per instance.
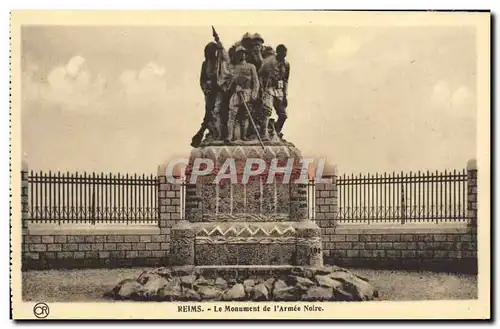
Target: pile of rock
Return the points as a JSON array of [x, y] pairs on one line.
[[301, 284]]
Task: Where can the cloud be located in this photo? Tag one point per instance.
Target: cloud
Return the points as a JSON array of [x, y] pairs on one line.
[[344, 46], [441, 94], [457, 102], [461, 98], [70, 86], [127, 77], [74, 65], [344, 53], [73, 87], [149, 73], [151, 70], [73, 104], [149, 81], [151, 92]]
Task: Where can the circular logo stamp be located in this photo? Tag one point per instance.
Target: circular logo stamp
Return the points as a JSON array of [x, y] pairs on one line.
[[41, 310]]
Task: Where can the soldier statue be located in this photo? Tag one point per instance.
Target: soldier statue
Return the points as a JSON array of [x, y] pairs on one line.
[[267, 51], [247, 83], [253, 43], [274, 75], [244, 92], [212, 93]]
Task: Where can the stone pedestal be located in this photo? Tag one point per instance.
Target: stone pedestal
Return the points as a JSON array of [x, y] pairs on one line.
[[246, 223]]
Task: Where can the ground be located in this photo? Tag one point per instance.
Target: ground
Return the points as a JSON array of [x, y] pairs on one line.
[[90, 284]]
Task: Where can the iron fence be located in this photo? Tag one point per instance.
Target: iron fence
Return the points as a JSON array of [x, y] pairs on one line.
[[403, 197], [92, 198], [117, 198]]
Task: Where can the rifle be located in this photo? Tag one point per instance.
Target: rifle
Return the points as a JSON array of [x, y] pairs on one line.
[[223, 70], [251, 119], [215, 35]]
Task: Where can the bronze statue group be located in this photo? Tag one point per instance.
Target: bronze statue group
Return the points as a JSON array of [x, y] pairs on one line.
[[242, 88]]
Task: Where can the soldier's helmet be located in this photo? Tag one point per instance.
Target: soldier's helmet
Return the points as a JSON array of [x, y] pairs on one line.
[[232, 50], [246, 40], [257, 37], [233, 53], [268, 51], [247, 36], [239, 48]]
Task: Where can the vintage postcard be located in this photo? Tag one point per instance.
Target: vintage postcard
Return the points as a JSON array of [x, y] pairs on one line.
[[250, 165]]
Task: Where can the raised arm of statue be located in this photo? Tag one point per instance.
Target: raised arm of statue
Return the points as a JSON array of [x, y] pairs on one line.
[[224, 74], [220, 47], [223, 53]]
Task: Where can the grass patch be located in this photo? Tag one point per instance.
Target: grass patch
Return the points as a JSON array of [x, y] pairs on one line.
[[89, 285]]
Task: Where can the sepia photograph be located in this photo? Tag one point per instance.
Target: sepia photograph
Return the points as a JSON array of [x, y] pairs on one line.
[[244, 165]]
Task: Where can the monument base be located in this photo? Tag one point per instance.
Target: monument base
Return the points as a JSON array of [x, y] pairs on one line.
[[245, 243]]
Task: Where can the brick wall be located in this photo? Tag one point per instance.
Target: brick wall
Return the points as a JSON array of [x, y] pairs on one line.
[[438, 247], [472, 191], [445, 246], [401, 246], [326, 205], [69, 248], [47, 246], [169, 196]]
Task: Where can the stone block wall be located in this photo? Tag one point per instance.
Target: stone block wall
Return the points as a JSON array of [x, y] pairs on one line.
[[326, 205], [46, 246], [49, 248], [398, 246], [169, 203], [472, 191], [403, 246], [407, 246]]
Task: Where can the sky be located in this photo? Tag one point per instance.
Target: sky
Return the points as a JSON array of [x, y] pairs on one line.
[[127, 99]]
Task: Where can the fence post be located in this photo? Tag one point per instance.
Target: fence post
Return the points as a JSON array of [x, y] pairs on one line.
[[403, 203], [472, 191], [169, 208], [93, 200], [24, 194], [326, 205]]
